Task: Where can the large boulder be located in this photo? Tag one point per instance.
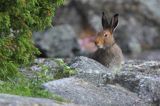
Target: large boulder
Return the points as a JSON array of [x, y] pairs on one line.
[[89, 69], [86, 93], [58, 41], [136, 83]]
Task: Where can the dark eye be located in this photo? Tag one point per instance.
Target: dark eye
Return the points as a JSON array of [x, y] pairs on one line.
[[105, 35]]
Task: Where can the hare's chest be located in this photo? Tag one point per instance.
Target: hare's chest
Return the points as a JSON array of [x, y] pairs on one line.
[[108, 58], [104, 57]]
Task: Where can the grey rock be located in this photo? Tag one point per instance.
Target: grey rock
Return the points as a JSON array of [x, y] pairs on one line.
[[152, 7], [67, 15], [138, 76], [149, 55], [136, 83], [82, 92], [141, 77], [134, 36], [58, 41], [95, 21], [48, 66], [89, 69], [12, 100]]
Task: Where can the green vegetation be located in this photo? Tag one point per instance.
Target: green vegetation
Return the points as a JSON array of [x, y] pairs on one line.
[[31, 85], [63, 70], [27, 87], [18, 19]]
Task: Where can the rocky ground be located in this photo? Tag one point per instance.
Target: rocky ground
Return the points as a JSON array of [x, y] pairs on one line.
[[136, 83]]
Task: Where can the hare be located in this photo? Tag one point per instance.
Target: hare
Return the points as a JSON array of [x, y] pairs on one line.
[[108, 53]]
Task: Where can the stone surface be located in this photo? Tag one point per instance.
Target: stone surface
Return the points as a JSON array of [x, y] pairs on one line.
[[57, 41], [48, 66], [149, 55], [82, 92], [137, 83], [141, 77], [12, 100], [89, 69]]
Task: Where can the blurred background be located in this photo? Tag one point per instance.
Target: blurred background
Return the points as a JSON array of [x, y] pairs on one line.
[[76, 23]]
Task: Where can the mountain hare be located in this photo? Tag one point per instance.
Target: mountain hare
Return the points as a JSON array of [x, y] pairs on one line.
[[108, 53]]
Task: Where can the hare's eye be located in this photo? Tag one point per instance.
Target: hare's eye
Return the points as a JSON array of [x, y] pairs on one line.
[[105, 35]]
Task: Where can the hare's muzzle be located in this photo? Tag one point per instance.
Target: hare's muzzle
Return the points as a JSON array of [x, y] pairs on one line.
[[99, 42], [99, 45]]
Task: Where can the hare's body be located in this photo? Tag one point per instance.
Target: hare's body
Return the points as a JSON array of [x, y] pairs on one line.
[[108, 52], [109, 57]]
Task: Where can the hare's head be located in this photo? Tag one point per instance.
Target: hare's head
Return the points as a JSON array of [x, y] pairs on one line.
[[105, 38]]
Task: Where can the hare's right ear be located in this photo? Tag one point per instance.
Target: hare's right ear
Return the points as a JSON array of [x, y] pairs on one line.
[[104, 21], [114, 22]]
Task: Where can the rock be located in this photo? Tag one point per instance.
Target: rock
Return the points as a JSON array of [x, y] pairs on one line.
[[149, 55], [47, 66], [89, 69], [133, 36], [136, 83], [12, 100], [138, 76], [58, 41], [85, 93], [152, 7], [95, 21], [141, 77]]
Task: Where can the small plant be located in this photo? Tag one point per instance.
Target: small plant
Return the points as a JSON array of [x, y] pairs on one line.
[[64, 70], [44, 74]]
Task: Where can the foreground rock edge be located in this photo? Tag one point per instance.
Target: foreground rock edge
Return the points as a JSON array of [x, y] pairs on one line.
[[13, 100]]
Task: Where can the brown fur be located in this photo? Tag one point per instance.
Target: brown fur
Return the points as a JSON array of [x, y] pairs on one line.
[[108, 52], [109, 57]]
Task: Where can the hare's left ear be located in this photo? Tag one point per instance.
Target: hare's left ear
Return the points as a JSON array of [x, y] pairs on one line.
[[104, 21], [114, 22]]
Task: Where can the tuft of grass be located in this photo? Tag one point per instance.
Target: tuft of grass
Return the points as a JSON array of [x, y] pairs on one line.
[[27, 87]]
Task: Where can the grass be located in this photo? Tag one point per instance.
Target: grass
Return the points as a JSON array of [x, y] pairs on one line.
[[27, 87], [31, 87]]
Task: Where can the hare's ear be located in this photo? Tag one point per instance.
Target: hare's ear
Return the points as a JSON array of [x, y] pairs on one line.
[[104, 21], [114, 22]]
